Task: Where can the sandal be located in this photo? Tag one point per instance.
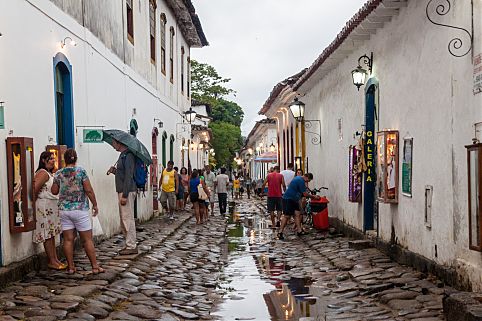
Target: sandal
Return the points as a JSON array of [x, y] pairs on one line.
[[59, 267], [97, 270]]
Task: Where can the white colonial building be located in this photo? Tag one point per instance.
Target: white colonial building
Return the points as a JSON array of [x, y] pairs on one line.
[[260, 150], [69, 66], [400, 156]]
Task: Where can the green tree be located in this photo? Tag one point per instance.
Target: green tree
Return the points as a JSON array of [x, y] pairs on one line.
[[206, 84], [210, 88], [227, 111], [226, 141]]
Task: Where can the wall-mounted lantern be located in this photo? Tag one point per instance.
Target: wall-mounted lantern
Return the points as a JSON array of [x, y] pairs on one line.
[[297, 109], [190, 115], [360, 74]]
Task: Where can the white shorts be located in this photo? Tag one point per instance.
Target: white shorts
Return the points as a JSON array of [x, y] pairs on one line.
[[79, 220]]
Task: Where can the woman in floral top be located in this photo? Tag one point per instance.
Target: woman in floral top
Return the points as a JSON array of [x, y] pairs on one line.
[[47, 210], [74, 189]]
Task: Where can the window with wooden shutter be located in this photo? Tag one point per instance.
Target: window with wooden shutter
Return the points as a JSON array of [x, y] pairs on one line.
[[152, 24], [130, 21], [182, 70], [188, 77], [171, 54], [163, 43]]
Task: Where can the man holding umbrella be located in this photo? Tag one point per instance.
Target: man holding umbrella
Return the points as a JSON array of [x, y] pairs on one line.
[[126, 190], [127, 180]]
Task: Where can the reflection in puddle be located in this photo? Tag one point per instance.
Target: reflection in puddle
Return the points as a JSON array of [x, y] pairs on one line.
[[257, 286]]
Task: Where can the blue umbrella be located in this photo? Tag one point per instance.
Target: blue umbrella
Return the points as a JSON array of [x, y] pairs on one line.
[[132, 143]]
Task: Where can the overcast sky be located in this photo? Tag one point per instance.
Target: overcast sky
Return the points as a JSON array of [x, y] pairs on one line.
[[258, 43]]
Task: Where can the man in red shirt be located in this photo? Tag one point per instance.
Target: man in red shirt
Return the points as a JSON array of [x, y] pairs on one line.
[[276, 186]]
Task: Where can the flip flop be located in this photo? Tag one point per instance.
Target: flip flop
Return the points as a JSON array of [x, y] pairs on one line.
[[98, 270], [71, 271]]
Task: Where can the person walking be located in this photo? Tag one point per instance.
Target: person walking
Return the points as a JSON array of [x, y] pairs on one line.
[[47, 210], [236, 187], [248, 186], [221, 186], [126, 189], [276, 186], [209, 179], [185, 185], [180, 193], [288, 174], [296, 190], [194, 182], [73, 186], [169, 183]]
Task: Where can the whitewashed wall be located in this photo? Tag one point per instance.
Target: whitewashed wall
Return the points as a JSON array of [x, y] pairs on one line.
[[105, 91], [425, 93]]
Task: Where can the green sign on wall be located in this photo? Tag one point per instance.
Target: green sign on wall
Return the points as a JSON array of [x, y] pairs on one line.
[[407, 167], [92, 136], [2, 118]]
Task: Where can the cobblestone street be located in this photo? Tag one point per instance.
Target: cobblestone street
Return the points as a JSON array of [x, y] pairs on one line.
[[193, 272]]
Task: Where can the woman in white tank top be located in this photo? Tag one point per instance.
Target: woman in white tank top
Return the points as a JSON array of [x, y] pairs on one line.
[[47, 210]]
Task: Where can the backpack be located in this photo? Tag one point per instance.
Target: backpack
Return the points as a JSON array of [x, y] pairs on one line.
[[140, 174]]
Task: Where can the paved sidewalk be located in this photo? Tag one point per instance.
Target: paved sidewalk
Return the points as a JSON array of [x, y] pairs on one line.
[[155, 284]]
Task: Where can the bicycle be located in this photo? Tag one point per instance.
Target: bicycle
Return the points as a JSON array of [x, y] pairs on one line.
[[308, 210]]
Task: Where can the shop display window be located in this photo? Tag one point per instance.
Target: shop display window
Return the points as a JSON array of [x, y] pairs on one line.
[[58, 152], [387, 166], [355, 175], [474, 162], [20, 172]]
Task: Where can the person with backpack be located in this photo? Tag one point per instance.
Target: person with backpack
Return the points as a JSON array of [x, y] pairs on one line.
[[126, 188], [169, 183]]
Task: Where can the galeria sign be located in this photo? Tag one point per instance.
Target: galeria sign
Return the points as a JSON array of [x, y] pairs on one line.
[[370, 156]]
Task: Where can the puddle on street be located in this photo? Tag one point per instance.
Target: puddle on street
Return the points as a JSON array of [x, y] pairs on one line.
[[255, 282]]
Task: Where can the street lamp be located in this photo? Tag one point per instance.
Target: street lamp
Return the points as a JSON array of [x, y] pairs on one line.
[[297, 108], [190, 115], [272, 147], [359, 74]]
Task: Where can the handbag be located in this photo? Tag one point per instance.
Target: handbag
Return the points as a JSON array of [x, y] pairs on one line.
[[202, 194], [96, 227]]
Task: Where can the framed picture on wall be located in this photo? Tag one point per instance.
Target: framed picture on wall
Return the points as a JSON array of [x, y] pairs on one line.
[[407, 166]]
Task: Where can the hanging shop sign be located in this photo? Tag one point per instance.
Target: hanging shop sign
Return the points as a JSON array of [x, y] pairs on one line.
[[407, 167], [2, 116], [92, 135]]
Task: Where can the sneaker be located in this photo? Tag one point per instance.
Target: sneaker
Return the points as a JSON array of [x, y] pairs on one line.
[[281, 236], [128, 251]]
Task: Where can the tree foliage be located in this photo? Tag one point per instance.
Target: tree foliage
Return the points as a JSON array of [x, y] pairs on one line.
[[227, 111], [207, 85], [210, 88], [226, 141]]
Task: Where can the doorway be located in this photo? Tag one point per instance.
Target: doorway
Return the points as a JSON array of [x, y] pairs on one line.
[[370, 177], [63, 95]]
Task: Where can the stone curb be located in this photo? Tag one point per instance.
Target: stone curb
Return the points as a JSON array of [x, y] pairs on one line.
[[18, 270]]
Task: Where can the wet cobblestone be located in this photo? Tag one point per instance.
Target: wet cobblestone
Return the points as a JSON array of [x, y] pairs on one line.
[[180, 268]]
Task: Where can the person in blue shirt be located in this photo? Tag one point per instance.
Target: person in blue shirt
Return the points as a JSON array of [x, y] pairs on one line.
[[291, 201]]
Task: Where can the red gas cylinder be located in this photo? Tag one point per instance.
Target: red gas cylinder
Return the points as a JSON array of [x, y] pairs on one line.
[[319, 208]]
